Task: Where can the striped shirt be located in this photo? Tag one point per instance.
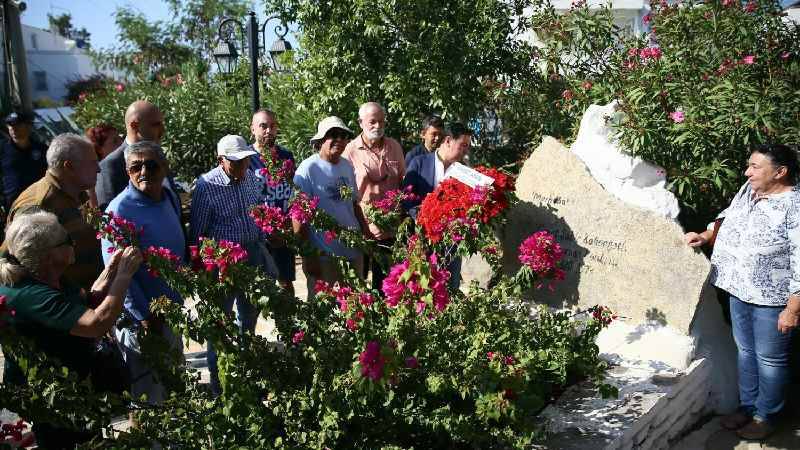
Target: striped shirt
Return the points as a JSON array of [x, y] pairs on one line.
[[48, 195], [220, 207]]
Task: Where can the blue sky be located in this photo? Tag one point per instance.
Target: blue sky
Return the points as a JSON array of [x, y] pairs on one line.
[[97, 16]]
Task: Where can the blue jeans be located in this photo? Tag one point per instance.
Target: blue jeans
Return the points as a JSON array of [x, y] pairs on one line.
[[763, 358], [247, 316]]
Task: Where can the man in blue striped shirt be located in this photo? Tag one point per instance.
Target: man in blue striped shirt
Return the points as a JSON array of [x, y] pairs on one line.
[[221, 202]]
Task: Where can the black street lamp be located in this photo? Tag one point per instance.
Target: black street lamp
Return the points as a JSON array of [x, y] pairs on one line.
[[226, 54]]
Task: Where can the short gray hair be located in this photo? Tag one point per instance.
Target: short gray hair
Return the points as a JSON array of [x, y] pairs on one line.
[[66, 147], [141, 147], [370, 105], [29, 238]]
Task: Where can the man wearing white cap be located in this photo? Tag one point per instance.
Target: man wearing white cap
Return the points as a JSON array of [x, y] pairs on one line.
[[331, 178], [221, 202]]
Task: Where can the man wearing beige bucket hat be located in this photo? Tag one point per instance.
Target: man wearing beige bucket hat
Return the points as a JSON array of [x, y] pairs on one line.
[[331, 178]]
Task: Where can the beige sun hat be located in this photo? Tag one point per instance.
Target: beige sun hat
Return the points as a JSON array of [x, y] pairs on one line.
[[326, 125], [234, 148]]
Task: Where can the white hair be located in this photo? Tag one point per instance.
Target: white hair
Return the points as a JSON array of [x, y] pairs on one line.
[[363, 109], [29, 238], [67, 147], [142, 147]]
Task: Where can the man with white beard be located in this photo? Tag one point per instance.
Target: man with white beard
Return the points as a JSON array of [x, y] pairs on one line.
[[380, 166]]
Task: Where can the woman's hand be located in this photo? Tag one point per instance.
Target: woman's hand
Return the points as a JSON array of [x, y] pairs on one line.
[[695, 239], [129, 262], [788, 320]]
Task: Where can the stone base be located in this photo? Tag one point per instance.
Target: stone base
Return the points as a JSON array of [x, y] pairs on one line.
[[655, 408], [664, 389]]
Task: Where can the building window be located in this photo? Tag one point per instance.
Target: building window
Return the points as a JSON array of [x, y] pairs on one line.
[[40, 81], [34, 42]]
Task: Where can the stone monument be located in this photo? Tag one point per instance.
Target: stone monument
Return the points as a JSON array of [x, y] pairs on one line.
[[621, 256]]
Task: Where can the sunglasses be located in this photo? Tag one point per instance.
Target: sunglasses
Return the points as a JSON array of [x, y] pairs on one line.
[[337, 134], [150, 164], [67, 241]]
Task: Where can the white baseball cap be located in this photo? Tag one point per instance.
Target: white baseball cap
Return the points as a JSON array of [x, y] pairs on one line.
[[234, 148], [326, 125]]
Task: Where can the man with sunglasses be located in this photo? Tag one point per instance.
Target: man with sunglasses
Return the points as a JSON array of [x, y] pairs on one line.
[[221, 203], [379, 165], [329, 177], [71, 170], [143, 122], [156, 210]]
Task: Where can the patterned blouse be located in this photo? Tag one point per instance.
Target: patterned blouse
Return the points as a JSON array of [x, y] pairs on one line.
[[757, 252]]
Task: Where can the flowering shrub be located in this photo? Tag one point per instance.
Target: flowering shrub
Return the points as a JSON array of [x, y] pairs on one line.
[[122, 232], [461, 368], [275, 170], [418, 283], [541, 254], [386, 213], [454, 204]]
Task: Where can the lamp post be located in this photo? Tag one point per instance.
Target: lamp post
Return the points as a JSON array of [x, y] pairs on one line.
[[227, 55]]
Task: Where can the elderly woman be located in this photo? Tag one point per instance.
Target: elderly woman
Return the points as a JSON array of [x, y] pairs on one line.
[[756, 259], [55, 315], [156, 210]]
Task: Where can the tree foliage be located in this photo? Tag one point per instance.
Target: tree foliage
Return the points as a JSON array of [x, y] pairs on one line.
[[62, 24], [414, 57]]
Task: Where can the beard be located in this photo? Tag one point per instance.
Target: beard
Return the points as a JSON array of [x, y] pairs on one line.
[[266, 141], [374, 135]]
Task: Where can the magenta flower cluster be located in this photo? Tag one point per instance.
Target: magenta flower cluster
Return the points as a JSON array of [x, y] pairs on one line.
[[270, 219], [392, 200], [157, 256], [542, 254], [118, 230], [372, 361], [216, 256], [350, 304], [303, 207], [284, 173], [404, 286]]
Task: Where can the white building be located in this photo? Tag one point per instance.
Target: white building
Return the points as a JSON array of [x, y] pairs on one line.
[[53, 60]]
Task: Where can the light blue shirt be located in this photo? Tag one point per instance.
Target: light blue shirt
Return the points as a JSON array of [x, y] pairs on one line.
[[161, 228], [319, 178]]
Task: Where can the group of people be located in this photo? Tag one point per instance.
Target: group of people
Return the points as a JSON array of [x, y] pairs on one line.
[[68, 288]]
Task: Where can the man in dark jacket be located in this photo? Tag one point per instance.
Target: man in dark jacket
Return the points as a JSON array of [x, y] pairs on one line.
[[143, 122], [22, 159]]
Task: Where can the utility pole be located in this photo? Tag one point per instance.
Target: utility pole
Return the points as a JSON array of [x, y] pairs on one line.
[[14, 60]]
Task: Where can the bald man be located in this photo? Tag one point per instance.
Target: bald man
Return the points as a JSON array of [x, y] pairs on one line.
[[143, 122]]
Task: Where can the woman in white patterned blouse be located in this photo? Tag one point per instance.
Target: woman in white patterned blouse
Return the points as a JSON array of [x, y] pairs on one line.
[[756, 259]]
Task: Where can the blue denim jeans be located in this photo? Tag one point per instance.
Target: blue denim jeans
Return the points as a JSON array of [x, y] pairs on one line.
[[763, 358], [247, 316]]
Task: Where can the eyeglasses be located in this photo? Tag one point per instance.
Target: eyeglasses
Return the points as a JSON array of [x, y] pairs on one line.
[[337, 134], [67, 241], [150, 164]]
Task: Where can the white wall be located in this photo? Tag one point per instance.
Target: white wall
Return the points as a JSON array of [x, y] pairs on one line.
[[53, 61]]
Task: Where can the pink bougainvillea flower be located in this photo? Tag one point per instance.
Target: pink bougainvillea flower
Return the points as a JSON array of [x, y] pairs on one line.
[[751, 6], [411, 362], [646, 19], [298, 337], [748, 60], [371, 361], [677, 116], [329, 236], [119, 87], [567, 95]]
